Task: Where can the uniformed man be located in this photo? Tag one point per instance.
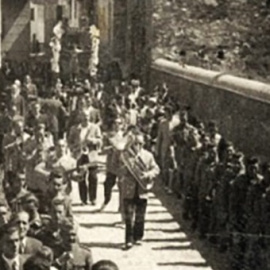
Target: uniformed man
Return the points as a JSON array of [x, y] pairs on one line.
[[238, 215], [135, 193], [253, 212], [193, 151], [206, 182], [225, 174]]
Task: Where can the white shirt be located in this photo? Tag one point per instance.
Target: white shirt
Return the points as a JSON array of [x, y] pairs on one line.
[[10, 262], [133, 114]]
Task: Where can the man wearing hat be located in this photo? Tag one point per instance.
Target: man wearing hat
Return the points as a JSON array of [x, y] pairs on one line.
[[135, 188]]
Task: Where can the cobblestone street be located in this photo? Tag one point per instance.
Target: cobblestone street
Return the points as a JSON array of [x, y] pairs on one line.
[[165, 245]]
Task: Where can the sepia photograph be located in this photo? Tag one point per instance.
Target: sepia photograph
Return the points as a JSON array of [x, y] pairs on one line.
[[134, 135]]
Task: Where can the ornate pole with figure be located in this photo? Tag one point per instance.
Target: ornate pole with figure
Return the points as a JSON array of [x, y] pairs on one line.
[[55, 45], [56, 48], [94, 58]]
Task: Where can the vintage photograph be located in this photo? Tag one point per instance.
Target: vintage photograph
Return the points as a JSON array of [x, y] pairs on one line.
[[134, 135]]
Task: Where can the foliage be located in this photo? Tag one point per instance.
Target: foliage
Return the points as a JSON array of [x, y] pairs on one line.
[[225, 35]]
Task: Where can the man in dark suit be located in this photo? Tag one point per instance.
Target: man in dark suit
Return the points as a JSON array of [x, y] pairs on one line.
[[10, 258], [28, 245]]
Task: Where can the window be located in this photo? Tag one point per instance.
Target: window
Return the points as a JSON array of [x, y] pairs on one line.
[[59, 12], [32, 14]]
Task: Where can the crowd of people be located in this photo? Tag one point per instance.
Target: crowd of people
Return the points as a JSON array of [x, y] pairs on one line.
[[48, 144]]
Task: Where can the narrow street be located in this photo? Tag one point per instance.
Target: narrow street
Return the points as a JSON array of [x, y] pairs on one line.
[[165, 245]]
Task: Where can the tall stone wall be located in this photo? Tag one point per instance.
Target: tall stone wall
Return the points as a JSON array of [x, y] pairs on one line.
[[241, 107]]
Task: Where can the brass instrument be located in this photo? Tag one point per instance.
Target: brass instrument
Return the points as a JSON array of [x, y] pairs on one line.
[[81, 169], [135, 166], [18, 141]]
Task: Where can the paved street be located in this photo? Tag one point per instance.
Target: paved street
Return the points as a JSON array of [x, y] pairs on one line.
[[165, 247]]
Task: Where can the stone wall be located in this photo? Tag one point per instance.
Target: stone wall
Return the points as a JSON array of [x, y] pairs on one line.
[[241, 107]]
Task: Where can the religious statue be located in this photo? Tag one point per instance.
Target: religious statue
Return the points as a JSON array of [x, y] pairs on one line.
[[94, 58], [58, 30], [55, 45]]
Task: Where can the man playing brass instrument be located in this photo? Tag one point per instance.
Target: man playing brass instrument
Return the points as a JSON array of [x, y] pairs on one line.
[[134, 190]]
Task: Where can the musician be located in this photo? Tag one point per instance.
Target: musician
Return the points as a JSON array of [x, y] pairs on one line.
[[113, 140], [134, 190], [84, 140]]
